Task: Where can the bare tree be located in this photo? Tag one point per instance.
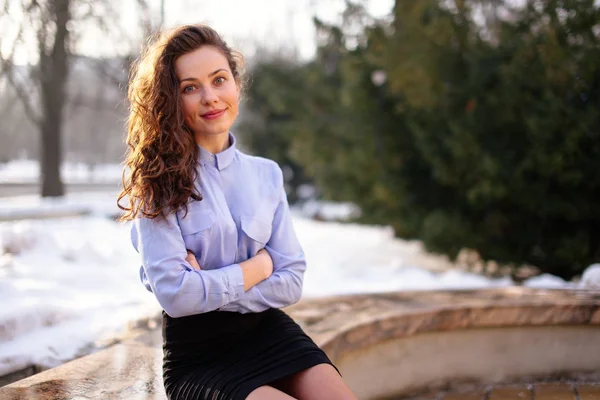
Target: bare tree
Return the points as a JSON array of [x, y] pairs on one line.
[[49, 20], [42, 87], [17, 136]]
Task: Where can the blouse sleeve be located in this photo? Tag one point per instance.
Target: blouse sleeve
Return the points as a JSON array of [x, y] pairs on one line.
[[284, 286], [180, 289]]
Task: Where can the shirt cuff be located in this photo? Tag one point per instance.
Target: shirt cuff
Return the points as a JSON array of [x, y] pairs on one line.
[[235, 281]]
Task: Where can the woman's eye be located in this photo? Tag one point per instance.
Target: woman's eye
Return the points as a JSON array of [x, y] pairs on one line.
[[220, 80], [188, 89]]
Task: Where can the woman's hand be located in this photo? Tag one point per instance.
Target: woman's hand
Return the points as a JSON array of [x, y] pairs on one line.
[[266, 261], [191, 258], [257, 268]]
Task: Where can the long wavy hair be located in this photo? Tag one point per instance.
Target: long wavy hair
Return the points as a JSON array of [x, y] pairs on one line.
[[160, 165]]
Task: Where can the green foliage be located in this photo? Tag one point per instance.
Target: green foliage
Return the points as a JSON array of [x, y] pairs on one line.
[[484, 135], [274, 101]]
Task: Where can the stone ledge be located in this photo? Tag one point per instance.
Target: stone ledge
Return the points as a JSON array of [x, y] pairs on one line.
[[348, 323], [129, 370], [341, 325]]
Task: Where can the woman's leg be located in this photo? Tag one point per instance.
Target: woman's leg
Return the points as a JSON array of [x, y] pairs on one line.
[[321, 382], [268, 393]]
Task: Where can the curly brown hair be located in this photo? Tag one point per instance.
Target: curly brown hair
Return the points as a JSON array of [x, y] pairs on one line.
[[160, 164]]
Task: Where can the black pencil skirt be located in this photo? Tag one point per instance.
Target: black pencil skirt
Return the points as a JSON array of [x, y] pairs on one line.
[[226, 355]]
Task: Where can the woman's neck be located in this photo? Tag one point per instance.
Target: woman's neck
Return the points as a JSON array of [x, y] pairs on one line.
[[213, 143]]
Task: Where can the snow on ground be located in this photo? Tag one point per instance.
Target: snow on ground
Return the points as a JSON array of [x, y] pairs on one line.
[[71, 282], [547, 281], [27, 171], [591, 276], [94, 203], [351, 258], [329, 211]]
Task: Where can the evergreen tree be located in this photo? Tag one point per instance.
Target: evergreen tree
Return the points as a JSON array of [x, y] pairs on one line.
[[462, 132]]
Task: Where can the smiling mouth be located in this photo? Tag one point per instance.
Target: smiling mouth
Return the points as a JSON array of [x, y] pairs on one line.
[[213, 114]]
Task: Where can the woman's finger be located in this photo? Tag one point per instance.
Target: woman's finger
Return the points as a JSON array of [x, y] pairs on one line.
[[191, 258]]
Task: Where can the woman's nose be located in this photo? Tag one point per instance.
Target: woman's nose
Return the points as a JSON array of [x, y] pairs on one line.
[[209, 96]]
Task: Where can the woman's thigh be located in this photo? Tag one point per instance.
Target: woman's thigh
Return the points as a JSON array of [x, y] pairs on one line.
[[268, 393], [319, 382]]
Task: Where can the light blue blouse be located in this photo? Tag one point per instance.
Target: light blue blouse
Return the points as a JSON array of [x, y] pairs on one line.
[[244, 209]]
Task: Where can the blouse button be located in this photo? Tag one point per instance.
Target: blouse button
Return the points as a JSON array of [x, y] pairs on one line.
[[212, 158]]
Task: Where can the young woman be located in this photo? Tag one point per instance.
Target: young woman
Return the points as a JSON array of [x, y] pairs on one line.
[[214, 232]]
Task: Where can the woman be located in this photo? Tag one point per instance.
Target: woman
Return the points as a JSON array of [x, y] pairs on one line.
[[213, 228]]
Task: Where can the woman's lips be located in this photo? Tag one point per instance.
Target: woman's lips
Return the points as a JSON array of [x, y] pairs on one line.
[[213, 114]]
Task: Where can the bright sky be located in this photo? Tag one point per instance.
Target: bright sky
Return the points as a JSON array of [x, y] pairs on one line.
[[246, 24]]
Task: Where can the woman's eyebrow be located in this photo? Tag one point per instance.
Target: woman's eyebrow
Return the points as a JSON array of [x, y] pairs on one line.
[[211, 74], [217, 71], [187, 79]]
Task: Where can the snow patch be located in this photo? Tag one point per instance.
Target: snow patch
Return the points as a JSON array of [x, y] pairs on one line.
[[591, 277], [546, 281], [67, 284], [21, 171]]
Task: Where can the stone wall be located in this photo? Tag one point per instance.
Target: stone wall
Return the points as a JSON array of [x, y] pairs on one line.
[[387, 344]]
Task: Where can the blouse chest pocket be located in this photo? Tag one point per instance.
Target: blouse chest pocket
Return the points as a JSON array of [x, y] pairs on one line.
[[196, 228], [257, 228]]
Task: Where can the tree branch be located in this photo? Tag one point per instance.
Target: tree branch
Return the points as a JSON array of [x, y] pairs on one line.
[[7, 69], [20, 91]]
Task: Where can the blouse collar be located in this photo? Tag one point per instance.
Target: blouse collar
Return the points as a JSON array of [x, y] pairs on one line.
[[220, 160]]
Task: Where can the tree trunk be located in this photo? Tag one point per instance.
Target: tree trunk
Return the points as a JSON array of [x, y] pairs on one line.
[[53, 76]]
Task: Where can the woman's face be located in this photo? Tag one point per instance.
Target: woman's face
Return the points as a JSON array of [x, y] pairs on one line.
[[209, 93]]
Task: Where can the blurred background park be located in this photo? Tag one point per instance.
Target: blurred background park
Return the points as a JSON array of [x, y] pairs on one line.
[[426, 144]]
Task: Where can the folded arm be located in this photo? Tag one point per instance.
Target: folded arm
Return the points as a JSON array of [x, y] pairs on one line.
[[284, 286], [179, 288]]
